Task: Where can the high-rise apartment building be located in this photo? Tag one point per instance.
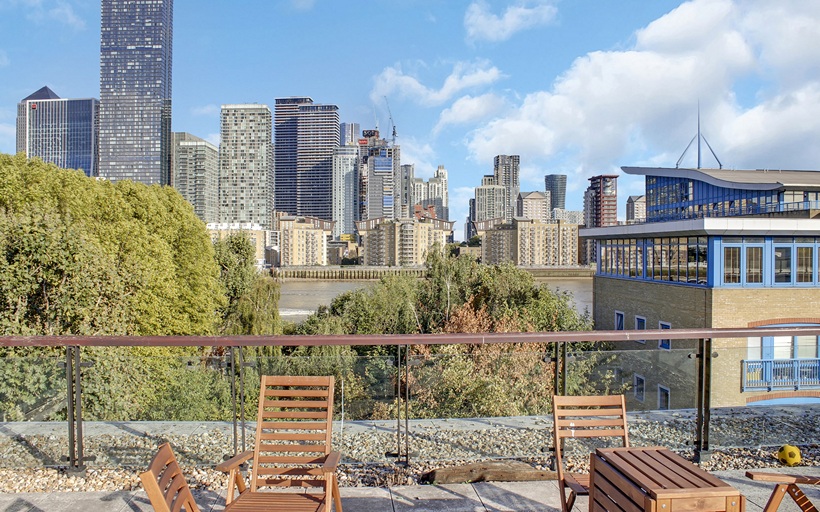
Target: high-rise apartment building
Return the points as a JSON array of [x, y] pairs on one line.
[[530, 242], [506, 172], [533, 205], [636, 209], [135, 90], [59, 131], [345, 191], [380, 171], [601, 201], [402, 242], [490, 200], [195, 174], [431, 194], [305, 137], [556, 185], [245, 165]]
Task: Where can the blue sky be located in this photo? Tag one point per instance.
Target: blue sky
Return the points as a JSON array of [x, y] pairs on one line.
[[579, 87]]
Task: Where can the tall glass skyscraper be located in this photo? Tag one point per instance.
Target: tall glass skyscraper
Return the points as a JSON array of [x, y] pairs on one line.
[[59, 131], [556, 185], [135, 90], [306, 135]]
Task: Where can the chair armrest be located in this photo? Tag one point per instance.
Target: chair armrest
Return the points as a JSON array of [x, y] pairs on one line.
[[782, 478], [235, 461], [331, 462]]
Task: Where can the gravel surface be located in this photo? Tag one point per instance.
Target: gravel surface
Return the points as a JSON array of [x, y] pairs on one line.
[[744, 438]]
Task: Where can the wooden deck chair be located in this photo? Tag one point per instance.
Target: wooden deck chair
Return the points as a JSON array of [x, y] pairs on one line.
[[786, 484], [165, 484], [292, 449], [584, 417]]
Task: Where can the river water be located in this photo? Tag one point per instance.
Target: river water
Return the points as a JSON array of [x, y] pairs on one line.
[[301, 297]]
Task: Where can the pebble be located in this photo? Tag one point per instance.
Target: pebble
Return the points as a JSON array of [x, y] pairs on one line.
[[744, 439]]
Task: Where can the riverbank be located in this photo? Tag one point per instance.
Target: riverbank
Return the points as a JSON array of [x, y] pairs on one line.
[[362, 273]]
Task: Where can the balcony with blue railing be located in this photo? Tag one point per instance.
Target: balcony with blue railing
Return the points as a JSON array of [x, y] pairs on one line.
[[781, 374]]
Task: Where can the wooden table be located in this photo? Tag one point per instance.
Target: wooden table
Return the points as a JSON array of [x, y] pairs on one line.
[[655, 479]]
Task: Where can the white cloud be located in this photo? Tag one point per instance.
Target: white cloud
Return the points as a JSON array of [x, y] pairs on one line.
[[419, 153], [64, 13], [465, 75], [470, 109], [481, 24], [40, 11], [206, 110], [640, 105]]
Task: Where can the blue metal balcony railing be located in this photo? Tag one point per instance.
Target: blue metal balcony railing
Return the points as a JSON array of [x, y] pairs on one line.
[[769, 374]]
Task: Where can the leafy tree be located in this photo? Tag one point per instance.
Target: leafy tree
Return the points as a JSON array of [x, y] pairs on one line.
[[237, 272]]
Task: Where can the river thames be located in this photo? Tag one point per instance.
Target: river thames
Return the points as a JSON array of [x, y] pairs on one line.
[[301, 297]]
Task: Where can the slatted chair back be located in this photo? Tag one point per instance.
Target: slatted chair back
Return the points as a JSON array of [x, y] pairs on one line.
[[585, 417], [293, 431], [165, 484]]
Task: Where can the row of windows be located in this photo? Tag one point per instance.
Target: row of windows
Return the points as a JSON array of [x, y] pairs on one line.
[[752, 265], [681, 259], [640, 325]]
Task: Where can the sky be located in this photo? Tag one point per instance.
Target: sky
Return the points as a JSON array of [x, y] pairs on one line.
[[576, 87]]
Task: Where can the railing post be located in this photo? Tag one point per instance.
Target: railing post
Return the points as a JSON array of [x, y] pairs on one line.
[[704, 400], [73, 369]]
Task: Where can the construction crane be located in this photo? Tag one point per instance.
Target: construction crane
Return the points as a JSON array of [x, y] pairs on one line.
[[390, 117]]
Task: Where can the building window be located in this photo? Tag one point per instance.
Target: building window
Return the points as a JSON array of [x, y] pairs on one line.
[[663, 398], [782, 264], [639, 387], [754, 265], [805, 264], [731, 265], [619, 321], [665, 344], [640, 325]]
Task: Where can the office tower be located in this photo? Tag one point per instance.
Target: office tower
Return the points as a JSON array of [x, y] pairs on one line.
[[245, 165], [345, 191], [135, 90], [556, 185], [533, 205], [380, 168], [306, 135], [506, 171], [195, 174], [601, 201], [59, 131], [636, 209], [349, 134]]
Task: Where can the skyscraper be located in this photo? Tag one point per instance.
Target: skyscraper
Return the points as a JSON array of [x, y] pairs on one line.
[[380, 171], [245, 166], [345, 190], [306, 135], [601, 201], [556, 185], [135, 90], [506, 172], [59, 131], [195, 170], [349, 134]]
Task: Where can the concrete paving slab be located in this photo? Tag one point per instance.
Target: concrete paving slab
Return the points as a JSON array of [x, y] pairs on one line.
[[366, 499], [430, 498], [83, 502], [22, 502], [519, 496]]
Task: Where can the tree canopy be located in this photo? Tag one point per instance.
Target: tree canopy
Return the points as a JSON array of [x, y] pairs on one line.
[[86, 256]]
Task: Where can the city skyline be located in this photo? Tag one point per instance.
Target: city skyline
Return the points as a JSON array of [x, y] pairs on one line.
[[613, 84]]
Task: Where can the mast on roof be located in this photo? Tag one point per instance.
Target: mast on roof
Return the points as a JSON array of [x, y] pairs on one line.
[[699, 136]]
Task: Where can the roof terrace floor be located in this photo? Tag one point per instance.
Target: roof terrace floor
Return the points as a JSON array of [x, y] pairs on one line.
[[475, 497]]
